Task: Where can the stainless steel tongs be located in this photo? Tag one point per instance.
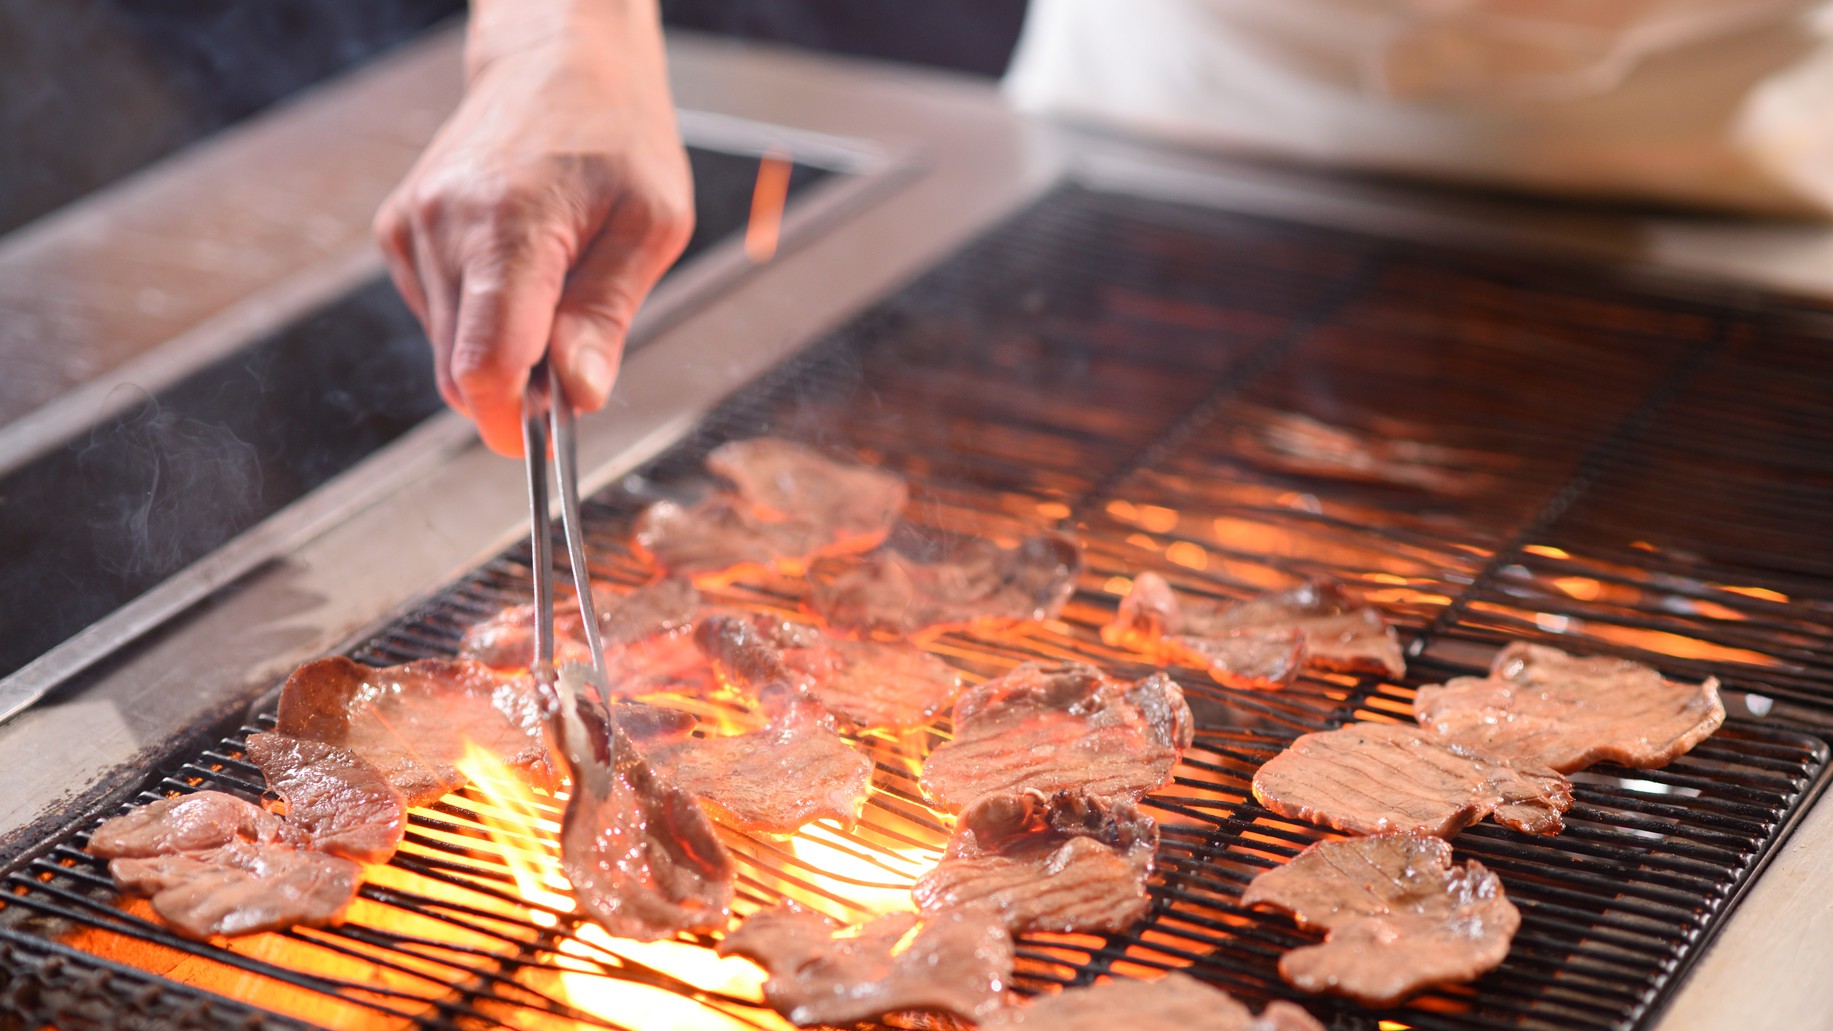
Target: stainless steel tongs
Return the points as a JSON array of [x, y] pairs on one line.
[[544, 405]]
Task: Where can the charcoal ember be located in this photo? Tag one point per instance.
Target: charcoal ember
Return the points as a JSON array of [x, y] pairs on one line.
[[1543, 705], [866, 685], [1063, 862], [1261, 643], [787, 504], [1174, 1002], [414, 721], [1369, 778], [1065, 726], [1398, 916], [647, 636], [345, 806], [794, 770], [980, 585], [642, 857], [955, 963]]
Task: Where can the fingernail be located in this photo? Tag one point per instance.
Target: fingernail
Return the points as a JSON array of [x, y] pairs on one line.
[[593, 372]]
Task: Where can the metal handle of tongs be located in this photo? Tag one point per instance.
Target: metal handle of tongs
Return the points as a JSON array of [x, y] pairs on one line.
[[544, 407]]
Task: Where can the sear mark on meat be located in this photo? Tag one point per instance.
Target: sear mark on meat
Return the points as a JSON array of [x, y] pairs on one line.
[[343, 804], [1058, 727], [1543, 705], [980, 586], [1260, 643], [1175, 1002], [1367, 778], [787, 505], [413, 721], [214, 864], [793, 771], [820, 973], [642, 857], [866, 685], [1066, 862], [1398, 916], [646, 634]]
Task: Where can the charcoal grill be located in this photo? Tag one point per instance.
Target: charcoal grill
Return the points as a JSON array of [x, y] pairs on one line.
[[1642, 469]]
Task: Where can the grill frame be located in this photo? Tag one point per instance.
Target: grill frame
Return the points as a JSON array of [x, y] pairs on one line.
[[433, 624]]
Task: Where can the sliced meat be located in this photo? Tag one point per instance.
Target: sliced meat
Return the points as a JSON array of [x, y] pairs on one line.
[[645, 634], [413, 721], [188, 823], [1540, 704], [343, 804], [864, 684], [1066, 862], [1367, 778], [1258, 644], [642, 857], [820, 973], [1175, 1002], [980, 586], [1398, 916], [1300, 444], [793, 771], [1058, 727], [242, 888], [787, 505]]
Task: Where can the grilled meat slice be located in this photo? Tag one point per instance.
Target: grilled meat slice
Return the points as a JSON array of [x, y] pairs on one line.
[[1397, 916], [1299, 444], [980, 586], [413, 721], [1175, 1002], [646, 634], [343, 804], [864, 684], [956, 962], [1540, 704], [642, 857], [242, 888], [1367, 778], [1066, 862], [1261, 643], [188, 823], [1056, 727], [793, 771], [787, 505]]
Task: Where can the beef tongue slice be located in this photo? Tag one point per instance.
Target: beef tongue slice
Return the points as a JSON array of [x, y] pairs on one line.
[[820, 973], [1543, 705], [1175, 1002], [980, 585], [866, 685], [1398, 916], [343, 804], [646, 634], [1367, 778], [1064, 862], [1059, 727]]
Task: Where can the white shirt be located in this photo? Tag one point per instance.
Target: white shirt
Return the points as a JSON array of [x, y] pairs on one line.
[[1724, 103]]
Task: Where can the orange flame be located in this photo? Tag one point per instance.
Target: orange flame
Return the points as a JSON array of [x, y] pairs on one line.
[[767, 200]]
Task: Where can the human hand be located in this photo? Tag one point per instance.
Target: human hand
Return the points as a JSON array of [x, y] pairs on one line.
[[544, 210]]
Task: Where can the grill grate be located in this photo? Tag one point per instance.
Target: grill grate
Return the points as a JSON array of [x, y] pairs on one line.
[[1134, 370]]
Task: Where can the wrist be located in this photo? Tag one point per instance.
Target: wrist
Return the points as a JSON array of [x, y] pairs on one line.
[[504, 29]]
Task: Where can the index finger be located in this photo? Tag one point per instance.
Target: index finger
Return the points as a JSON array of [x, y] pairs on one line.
[[505, 316]]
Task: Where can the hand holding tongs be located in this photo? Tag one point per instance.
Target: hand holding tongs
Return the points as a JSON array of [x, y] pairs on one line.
[[544, 404]]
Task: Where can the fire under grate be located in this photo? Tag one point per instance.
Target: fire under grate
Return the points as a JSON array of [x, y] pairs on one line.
[[1163, 380]]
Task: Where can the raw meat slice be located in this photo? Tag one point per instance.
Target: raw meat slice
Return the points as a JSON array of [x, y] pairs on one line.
[[242, 888], [1397, 916], [1303, 445], [788, 504], [1175, 1002], [1540, 704], [413, 721], [642, 857], [957, 963], [1367, 778], [864, 684], [645, 634], [1066, 862], [1056, 727], [981, 586], [188, 823], [793, 771], [343, 804], [1258, 644]]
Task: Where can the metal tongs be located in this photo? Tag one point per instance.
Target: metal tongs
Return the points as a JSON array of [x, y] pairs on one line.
[[544, 405]]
